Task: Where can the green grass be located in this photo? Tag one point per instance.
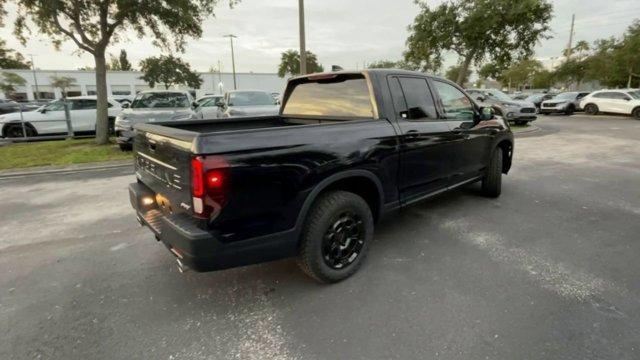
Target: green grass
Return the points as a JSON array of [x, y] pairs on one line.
[[58, 152]]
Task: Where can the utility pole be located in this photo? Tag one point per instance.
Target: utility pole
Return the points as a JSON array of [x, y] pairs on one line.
[[233, 60], [303, 47], [570, 45], [35, 80]]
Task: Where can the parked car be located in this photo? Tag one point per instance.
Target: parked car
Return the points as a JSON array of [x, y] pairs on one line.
[[201, 99], [152, 106], [50, 119], [10, 106], [124, 100], [537, 99], [209, 108], [566, 103], [238, 103], [348, 149], [625, 102], [519, 112]]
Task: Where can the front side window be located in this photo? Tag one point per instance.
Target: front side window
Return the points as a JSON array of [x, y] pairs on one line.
[[57, 105], [337, 96], [84, 104], [152, 100], [455, 103]]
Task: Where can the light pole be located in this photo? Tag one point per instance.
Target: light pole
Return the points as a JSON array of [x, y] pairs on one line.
[[303, 50], [233, 60], [35, 80]]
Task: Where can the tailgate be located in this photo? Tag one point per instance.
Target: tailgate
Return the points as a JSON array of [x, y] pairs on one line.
[[163, 164]]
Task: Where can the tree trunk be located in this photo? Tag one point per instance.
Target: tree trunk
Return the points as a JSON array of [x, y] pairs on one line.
[[465, 67], [629, 79], [102, 115]]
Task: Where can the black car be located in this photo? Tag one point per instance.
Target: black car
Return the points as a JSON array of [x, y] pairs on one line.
[[347, 149]]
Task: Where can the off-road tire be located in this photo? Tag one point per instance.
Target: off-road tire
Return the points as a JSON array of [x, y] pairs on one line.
[[492, 180], [125, 147], [322, 215], [636, 113]]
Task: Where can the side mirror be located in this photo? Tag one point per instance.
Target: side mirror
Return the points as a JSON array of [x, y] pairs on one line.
[[220, 103], [125, 105], [43, 110], [194, 104], [486, 113], [481, 98]]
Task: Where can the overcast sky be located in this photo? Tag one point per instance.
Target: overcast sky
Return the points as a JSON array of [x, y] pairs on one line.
[[344, 32]]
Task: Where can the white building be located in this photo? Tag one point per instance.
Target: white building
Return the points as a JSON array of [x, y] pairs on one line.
[[129, 83]]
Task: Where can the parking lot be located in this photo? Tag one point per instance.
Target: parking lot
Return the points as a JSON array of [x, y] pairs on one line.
[[547, 271]]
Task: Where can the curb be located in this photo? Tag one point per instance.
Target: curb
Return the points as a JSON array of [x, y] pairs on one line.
[[528, 131], [48, 170]]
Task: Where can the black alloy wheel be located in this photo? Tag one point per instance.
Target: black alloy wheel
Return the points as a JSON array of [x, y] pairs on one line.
[[343, 241]]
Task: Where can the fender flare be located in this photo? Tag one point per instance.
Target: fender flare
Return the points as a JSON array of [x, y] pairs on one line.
[[313, 195]]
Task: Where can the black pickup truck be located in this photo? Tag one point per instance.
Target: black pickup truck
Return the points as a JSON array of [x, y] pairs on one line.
[[347, 149]]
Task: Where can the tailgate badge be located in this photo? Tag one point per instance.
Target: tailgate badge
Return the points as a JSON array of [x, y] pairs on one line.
[[185, 206]]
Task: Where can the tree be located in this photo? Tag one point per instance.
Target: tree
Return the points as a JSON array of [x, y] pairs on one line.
[[11, 59], [390, 64], [521, 73], [125, 65], [8, 83], [629, 52], [543, 79], [119, 63], [492, 70], [94, 25], [168, 70], [453, 74], [503, 30], [290, 63], [62, 83]]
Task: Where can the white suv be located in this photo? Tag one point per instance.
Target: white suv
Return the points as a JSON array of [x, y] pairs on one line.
[[613, 101]]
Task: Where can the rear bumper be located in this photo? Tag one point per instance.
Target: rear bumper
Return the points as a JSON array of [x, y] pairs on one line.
[[203, 250]]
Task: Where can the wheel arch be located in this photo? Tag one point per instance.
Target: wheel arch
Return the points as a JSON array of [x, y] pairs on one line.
[[506, 146], [5, 126], [363, 183]]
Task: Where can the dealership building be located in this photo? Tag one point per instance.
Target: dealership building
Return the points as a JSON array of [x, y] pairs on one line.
[[129, 83]]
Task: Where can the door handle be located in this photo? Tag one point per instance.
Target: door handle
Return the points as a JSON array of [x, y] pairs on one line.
[[412, 134]]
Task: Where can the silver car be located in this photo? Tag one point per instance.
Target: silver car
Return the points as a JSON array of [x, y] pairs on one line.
[[239, 103], [516, 111], [152, 106], [566, 103]]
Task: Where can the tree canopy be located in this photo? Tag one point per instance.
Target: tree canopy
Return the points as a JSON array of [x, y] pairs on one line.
[[168, 71], [9, 81], [290, 63], [11, 59], [502, 30], [94, 25], [120, 63], [62, 83], [453, 74], [390, 64]]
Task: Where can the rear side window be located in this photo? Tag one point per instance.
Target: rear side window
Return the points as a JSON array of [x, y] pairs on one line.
[[339, 96], [611, 95], [420, 104]]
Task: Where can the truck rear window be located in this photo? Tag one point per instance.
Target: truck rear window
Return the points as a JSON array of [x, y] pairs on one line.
[[340, 96]]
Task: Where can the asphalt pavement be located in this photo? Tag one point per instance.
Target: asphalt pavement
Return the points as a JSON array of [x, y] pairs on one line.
[[549, 270]]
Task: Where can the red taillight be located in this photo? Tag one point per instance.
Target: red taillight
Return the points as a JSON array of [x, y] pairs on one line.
[[209, 184], [197, 183]]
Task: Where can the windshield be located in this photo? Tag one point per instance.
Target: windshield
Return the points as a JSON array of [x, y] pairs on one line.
[[566, 96], [635, 94], [250, 98], [55, 105], [497, 94], [160, 100]]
